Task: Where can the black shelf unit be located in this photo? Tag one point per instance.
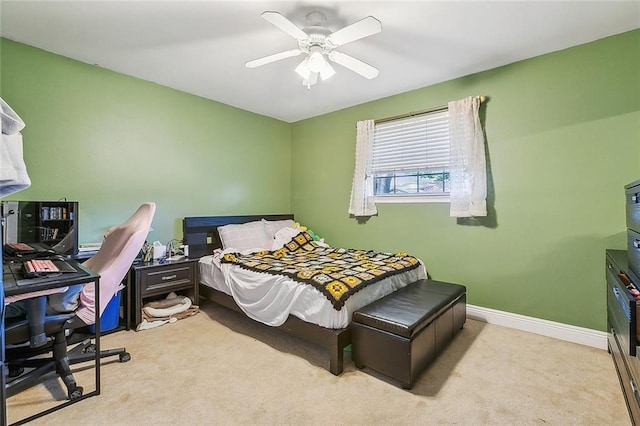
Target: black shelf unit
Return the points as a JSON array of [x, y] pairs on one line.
[[52, 223]]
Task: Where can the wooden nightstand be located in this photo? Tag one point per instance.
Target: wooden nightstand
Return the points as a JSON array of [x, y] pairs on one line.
[[153, 279]]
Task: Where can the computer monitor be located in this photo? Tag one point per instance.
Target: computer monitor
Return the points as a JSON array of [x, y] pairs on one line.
[[39, 227]]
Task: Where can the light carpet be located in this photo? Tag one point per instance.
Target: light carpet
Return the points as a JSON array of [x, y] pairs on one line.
[[220, 368]]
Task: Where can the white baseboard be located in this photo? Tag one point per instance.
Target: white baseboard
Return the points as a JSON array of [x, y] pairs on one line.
[[569, 333]]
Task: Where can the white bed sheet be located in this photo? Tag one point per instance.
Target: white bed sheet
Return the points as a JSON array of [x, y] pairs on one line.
[[270, 299]]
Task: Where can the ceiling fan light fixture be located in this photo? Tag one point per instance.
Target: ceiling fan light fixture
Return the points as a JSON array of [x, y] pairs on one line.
[[327, 71], [316, 59], [309, 75], [303, 69], [311, 80]]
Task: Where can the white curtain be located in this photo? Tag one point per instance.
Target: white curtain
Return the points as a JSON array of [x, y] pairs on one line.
[[362, 203], [467, 168]]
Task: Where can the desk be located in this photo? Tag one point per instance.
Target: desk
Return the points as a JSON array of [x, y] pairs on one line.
[[14, 284]]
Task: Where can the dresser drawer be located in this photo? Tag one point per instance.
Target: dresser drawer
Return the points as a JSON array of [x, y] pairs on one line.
[[159, 280], [632, 195], [633, 250], [626, 375], [621, 313]]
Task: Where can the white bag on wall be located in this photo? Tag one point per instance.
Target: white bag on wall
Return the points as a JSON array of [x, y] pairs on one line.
[[11, 122], [13, 171]]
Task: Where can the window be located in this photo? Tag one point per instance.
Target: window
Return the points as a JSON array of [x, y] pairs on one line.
[[410, 158], [431, 156]]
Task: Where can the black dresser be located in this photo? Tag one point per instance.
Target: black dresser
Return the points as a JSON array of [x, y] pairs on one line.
[[623, 305], [622, 328], [632, 195]]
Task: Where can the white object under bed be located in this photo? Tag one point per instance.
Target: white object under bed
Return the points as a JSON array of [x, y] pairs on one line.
[[270, 299]]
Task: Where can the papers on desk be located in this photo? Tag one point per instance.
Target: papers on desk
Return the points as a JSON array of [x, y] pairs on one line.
[[89, 247], [88, 250]]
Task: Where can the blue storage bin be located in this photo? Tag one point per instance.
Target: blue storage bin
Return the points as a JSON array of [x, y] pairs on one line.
[[111, 315]]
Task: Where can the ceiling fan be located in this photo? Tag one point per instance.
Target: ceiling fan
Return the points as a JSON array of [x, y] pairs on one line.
[[318, 43]]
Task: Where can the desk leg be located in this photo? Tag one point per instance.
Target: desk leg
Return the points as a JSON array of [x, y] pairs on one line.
[[97, 334], [3, 368], [3, 397]]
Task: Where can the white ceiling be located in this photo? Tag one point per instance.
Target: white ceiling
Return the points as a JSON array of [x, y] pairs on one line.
[[200, 47]]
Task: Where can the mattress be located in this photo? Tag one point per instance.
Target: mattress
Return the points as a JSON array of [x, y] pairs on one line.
[[270, 299]]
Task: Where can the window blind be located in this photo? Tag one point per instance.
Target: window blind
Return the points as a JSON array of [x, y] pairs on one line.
[[413, 144]]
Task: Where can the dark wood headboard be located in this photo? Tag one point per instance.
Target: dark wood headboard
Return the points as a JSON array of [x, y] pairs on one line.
[[200, 233]]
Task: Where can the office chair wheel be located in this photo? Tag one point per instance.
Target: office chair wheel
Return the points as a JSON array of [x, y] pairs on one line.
[[125, 357], [90, 349], [75, 393]]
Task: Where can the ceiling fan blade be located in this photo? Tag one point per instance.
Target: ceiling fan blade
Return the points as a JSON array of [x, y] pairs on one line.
[[272, 58], [285, 25], [363, 28], [354, 64]]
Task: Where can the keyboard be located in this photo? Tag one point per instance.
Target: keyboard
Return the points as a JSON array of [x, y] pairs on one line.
[[20, 247], [39, 267], [23, 250]]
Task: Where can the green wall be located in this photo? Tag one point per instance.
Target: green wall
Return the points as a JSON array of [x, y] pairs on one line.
[[562, 130], [111, 142], [563, 138]]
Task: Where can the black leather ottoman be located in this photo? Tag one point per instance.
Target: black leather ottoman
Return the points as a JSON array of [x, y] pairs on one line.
[[401, 334]]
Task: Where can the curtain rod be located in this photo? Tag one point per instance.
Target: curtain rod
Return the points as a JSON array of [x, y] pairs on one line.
[[414, 113]]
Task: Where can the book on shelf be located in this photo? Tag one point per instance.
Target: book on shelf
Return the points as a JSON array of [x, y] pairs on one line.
[[47, 233], [53, 213]]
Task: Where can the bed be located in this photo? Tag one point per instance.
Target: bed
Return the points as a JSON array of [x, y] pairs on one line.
[[235, 271]]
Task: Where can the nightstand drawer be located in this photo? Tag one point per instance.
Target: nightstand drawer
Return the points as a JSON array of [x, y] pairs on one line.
[[157, 280]]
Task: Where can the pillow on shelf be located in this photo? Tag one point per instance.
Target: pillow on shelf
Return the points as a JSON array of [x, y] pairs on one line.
[[273, 226], [245, 236]]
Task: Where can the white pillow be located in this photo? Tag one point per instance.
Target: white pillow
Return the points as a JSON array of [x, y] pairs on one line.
[[273, 226], [244, 236], [283, 236]]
